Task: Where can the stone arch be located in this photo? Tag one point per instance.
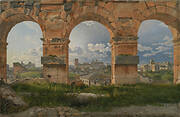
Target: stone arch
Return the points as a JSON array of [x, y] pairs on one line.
[[92, 17], [9, 19], [12, 17], [169, 16]]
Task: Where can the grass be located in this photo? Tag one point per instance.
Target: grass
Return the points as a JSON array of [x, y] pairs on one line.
[[160, 76], [52, 95], [30, 74], [73, 76]]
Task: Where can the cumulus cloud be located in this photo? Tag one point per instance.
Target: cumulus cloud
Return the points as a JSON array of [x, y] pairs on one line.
[[161, 48], [98, 47], [77, 50], [150, 54], [156, 51], [166, 41], [142, 48], [99, 51]]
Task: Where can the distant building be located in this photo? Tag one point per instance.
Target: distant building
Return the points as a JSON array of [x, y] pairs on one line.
[[93, 73], [21, 67], [154, 67], [18, 68], [96, 79], [76, 62], [30, 65], [86, 68]]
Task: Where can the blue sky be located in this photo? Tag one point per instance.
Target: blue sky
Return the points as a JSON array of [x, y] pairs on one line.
[[155, 42], [89, 41]]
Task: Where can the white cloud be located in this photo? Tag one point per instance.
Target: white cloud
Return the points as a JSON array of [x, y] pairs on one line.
[[161, 48], [150, 54], [97, 51], [73, 49], [157, 50], [167, 41], [98, 47], [142, 48], [156, 44]]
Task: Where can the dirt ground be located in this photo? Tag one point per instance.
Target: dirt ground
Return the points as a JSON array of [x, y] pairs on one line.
[[167, 110]]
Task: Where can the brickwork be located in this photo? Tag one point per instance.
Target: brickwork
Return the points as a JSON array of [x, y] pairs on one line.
[[57, 18], [17, 68]]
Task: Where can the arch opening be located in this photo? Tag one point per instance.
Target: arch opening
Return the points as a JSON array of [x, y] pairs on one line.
[[22, 50], [90, 54], [155, 49]]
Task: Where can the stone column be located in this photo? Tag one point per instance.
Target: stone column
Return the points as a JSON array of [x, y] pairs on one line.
[[177, 61], [55, 60], [124, 60], [3, 55]]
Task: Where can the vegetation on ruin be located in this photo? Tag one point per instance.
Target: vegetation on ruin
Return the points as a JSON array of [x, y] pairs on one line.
[[51, 95]]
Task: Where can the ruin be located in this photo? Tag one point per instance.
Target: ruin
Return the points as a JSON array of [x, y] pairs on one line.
[[57, 18]]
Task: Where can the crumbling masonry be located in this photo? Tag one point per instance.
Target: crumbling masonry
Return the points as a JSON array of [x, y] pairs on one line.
[[57, 18]]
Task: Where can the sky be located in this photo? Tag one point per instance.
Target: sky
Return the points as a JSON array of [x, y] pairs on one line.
[[89, 41], [155, 42], [24, 43]]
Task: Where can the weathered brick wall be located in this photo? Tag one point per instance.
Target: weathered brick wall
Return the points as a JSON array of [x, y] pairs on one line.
[[17, 68], [56, 73], [57, 18]]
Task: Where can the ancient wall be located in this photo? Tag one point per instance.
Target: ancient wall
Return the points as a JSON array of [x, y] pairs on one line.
[[57, 18], [55, 60], [17, 68]]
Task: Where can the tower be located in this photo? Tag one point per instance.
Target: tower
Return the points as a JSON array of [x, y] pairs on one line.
[[76, 62]]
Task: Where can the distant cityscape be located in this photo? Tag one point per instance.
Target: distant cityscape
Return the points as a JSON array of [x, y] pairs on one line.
[[20, 68], [155, 66], [92, 73]]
